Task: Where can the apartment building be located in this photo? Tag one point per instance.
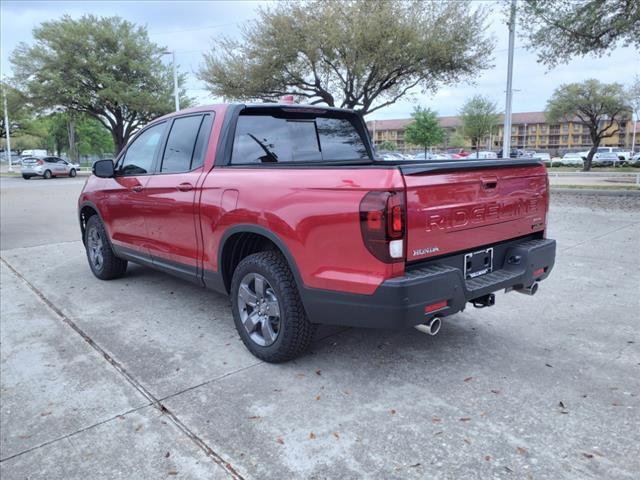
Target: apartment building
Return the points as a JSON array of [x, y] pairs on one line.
[[529, 131]]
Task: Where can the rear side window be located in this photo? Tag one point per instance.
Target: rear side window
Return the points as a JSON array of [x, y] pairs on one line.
[[202, 142], [181, 144], [282, 138], [138, 160]]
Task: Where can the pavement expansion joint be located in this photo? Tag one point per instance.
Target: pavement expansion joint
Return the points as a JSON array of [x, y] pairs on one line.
[[153, 401]]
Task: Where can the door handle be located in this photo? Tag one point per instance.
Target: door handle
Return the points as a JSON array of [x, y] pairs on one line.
[[137, 188], [489, 183], [185, 187]]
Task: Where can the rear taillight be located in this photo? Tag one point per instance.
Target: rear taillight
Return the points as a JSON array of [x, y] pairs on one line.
[[40, 162], [383, 224]]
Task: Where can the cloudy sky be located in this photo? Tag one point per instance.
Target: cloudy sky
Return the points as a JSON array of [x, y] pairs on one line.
[[189, 27]]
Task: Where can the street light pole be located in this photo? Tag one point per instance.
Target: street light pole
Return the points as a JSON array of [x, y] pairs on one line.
[[506, 137], [6, 127], [175, 77], [175, 80], [633, 138]]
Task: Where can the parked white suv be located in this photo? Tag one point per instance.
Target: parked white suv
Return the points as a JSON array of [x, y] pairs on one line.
[[623, 155]]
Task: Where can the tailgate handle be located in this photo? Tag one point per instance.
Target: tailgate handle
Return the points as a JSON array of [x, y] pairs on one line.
[[489, 183]]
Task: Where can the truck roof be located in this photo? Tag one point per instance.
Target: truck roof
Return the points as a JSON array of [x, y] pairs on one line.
[[224, 106]]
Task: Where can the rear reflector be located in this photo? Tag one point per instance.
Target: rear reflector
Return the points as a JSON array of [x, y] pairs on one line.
[[435, 306], [538, 272], [396, 248]]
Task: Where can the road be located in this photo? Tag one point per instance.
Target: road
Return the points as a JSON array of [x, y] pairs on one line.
[[145, 377]]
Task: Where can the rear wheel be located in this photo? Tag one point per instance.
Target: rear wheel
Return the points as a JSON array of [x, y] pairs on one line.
[[103, 262], [26, 177], [72, 173], [47, 174], [267, 308]]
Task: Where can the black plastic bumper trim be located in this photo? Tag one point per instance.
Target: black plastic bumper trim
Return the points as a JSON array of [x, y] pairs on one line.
[[400, 302]]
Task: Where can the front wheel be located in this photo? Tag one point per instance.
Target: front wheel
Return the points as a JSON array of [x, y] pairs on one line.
[[267, 308], [72, 173], [103, 262]]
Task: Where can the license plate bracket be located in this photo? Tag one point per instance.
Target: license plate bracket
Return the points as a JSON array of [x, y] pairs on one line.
[[478, 263]]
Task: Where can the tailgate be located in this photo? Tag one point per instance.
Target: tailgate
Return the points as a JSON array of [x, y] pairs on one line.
[[456, 209]]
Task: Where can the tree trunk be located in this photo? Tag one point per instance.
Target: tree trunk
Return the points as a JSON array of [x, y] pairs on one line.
[[71, 133], [594, 148], [118, 138]]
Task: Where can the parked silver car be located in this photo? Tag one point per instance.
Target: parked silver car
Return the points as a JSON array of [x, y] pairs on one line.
[[47, 167]]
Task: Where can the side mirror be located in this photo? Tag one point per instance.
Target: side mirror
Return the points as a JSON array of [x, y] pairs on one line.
[[103, 168]]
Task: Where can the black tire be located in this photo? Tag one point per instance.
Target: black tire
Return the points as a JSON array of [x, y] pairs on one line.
[[26, 177], [72, 173], [47, 174], [110, 266], [295, 331]]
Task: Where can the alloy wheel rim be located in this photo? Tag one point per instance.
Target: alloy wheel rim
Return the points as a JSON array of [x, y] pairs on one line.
[[95, 248], [259, 309]]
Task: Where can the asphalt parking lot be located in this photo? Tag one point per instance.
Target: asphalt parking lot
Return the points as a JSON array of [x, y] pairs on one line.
[[145, 377]]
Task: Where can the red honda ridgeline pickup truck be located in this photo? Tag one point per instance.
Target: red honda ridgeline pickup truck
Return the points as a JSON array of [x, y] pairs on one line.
[[286, 209]]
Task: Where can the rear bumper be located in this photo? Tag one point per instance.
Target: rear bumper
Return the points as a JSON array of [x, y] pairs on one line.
[[400, 302]]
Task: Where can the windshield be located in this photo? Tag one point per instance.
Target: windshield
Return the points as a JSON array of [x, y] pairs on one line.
[[282, 136]]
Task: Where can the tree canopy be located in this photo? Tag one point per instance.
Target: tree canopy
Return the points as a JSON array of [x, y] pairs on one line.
[[359, 54], [598, 106], [386, 145], [17, 110], [479, 115], [425, 130], [562, 29], [106, 68]]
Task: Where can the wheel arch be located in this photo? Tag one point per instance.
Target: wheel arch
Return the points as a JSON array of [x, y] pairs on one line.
[[240, 241], [86, 211]]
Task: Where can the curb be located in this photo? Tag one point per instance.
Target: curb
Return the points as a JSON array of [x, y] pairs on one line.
[[597, 192]]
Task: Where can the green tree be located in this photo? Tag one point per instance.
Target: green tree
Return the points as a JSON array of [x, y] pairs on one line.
[[386, 145], [425, 130], [562, 29], [360, 54], [17, 110], [634, 98], [598, 106], [93, 138], [456, 139], [479, 116], [106, 68], [90, 135]]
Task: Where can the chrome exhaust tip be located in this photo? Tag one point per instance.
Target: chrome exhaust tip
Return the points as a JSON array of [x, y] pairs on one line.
[[432, 327], [530, 290]]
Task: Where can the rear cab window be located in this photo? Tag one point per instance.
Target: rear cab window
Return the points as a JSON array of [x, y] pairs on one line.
[[298, 136]]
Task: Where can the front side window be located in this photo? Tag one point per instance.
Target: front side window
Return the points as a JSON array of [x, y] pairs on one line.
[[267, 138], [181, 144], [138, 159]]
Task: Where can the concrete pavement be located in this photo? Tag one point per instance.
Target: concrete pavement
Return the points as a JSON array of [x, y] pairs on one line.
[[133, 369]]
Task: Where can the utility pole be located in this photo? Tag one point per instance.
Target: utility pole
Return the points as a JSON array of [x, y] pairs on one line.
[[506, 137], [6, 127], [633, 138], [175, 78]]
